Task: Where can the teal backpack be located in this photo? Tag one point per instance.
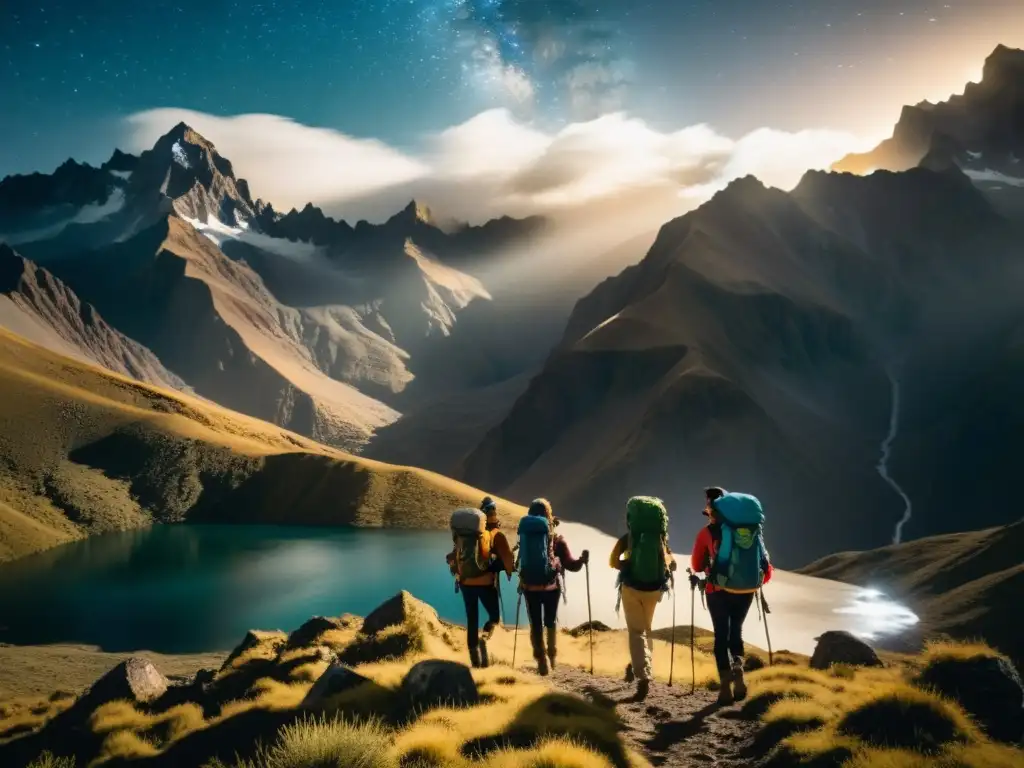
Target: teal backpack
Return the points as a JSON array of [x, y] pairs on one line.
[[742, 557], [647, 520], [537, 564]]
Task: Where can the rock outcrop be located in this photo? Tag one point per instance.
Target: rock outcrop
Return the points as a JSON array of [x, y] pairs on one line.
[[835, 647], [438, 683], [989, 688]]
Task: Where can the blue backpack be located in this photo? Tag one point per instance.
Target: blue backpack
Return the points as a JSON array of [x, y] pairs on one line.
[[537, 565], [742, 557]]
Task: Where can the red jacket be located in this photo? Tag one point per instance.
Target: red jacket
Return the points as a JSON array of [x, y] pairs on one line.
[[704, 550]]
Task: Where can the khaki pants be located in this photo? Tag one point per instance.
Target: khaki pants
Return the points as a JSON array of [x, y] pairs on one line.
[[639, 609]]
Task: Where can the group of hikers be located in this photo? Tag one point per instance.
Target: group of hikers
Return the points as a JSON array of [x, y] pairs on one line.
[[729, 564]]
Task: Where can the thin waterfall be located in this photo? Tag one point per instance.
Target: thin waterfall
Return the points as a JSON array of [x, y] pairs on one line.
[[883, 462]]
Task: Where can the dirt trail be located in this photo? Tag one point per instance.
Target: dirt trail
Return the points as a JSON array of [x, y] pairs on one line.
[[670, 727]]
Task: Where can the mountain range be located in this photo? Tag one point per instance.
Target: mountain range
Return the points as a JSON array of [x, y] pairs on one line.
[[849, 350], [296, 319]]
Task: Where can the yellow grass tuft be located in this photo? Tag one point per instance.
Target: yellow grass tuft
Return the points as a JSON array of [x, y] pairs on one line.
[[268, 694], [429, 744], [904, 717], [553, 753], [126, 745], [21, 715], [953, 651], [48, 760], [309, 673], [324, 743], [116, 716]]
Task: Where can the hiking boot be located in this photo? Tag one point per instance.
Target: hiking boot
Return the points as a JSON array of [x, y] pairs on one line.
[[630, 677], [739, 685], [474, 656], [485, 660], [725, 691], [542, 665], [643, 687], [552, 637]]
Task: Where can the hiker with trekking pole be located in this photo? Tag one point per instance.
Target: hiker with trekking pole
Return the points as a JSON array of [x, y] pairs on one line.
[[730, 551], [645, 564], [480, 553], [544, 556]]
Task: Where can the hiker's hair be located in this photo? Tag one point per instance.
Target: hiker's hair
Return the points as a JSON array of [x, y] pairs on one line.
[[542, 508], [714, 492]]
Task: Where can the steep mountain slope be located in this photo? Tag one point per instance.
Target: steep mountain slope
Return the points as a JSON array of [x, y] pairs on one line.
[[758, 346], [39, 307], [83, 450], [963, 584], [297, 319]]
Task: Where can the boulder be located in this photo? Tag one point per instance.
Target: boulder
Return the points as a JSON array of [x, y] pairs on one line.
[[584, 628], [253, 638], [987, 687], [135, 680], [434, 683], [836, 647], [403, 608], [308, 633], [336, 679]]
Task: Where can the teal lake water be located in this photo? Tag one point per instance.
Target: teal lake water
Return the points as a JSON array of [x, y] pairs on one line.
[[198, 588], [191, 588]]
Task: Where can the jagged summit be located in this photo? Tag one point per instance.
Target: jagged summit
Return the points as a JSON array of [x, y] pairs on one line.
[[414, 213], [1004, 64], [984, 124]]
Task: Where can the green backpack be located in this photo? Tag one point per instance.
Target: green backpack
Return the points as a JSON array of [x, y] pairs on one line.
[[647, 520]]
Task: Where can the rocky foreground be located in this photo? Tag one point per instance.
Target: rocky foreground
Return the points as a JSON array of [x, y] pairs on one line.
[[391, 690]]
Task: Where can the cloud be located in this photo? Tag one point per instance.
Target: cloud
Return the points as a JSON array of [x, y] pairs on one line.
[[287, 162], [494, 164]]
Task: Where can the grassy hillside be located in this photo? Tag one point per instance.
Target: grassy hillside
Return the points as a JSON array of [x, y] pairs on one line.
[[962, 584], [253, 711], [83, 450]]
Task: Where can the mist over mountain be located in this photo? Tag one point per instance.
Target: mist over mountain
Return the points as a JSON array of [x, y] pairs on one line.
[[844, 351]]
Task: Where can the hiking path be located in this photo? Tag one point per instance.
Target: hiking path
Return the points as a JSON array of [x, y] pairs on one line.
[[671, 727]]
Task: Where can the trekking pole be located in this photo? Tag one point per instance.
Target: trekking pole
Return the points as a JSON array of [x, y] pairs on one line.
[[765, 610], [515, 637], [693, 611], [590, 617], [672, 647]]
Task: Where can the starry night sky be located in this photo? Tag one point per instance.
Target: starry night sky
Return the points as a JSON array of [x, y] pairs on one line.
[[71, 71]]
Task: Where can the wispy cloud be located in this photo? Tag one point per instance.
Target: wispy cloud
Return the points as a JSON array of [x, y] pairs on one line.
[[495, 164]]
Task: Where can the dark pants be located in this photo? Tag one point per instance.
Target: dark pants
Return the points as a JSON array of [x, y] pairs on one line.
[[728, 612], [542, 607], [472, 597]]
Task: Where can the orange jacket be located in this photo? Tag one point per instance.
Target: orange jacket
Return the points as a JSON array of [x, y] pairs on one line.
[[499, 548], [704, 550]]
